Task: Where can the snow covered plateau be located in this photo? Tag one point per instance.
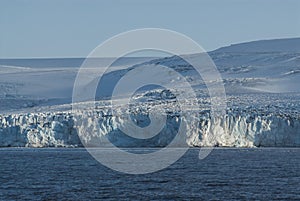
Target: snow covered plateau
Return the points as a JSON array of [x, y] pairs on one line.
[[261, 80]]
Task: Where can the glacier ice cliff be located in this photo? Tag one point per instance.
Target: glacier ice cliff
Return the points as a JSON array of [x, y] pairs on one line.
[[38, 130], [238, 128]]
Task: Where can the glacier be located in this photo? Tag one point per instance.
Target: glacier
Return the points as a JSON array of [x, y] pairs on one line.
[[238, 128], [261, 87]]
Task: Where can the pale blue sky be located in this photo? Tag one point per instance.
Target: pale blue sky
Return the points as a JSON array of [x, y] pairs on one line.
[[72, 28]]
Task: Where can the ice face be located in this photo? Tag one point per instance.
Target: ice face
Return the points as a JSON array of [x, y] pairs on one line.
[[38, 130], [240, 127]]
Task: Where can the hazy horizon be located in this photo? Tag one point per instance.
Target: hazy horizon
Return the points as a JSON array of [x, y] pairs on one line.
[[147, 53]]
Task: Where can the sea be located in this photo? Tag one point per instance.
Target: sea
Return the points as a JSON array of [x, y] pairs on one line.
[[226, 174]]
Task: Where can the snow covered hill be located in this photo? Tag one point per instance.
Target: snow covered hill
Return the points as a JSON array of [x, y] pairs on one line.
[[261, 80], [273, 45]]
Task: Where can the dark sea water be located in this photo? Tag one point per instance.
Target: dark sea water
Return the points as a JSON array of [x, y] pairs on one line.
[[226, 174]]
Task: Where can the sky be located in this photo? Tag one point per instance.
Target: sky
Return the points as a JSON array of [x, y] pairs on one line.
[[73, 28]]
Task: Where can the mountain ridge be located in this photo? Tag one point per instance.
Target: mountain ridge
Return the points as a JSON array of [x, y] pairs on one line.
[[267, 45]]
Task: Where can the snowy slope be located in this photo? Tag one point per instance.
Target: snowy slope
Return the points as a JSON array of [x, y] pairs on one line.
[[28, 84], [260, 66]]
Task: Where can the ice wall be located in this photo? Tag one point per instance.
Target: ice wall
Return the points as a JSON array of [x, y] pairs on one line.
[[38, 130], [235, 129]]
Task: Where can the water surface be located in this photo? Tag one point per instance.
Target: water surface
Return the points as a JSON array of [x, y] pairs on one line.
[[226, 174]]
